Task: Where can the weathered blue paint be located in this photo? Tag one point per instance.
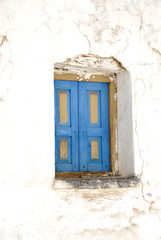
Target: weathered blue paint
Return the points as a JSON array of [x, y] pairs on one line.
[[98, 131], [105, 128], [79, 131], [83, 141], [67, 131]]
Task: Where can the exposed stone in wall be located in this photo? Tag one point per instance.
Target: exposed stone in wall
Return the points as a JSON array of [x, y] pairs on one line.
[[33, 36], [91, 64]]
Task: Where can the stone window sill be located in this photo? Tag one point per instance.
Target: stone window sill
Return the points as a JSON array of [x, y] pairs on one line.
[[96, 182]]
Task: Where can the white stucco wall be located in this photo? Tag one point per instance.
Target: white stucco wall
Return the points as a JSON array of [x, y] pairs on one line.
[[34, 35]]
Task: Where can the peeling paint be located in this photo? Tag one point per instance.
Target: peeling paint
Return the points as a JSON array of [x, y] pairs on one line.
[[91, 64]]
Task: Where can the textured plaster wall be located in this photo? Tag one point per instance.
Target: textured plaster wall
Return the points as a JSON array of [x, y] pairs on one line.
[[35, 34]]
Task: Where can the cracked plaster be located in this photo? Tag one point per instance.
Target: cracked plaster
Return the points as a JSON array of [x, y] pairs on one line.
[[33, 36]]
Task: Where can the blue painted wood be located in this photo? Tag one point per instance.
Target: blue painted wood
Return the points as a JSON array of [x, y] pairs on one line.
[[61, 131], [83, 141], [95, 167], [64, 168], [94, 131], [105, 128], [79, 131], [98, 130], [67, 131], [74, 124]]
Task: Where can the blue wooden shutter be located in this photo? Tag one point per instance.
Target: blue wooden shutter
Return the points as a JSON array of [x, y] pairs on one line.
[[93, 127], [66, 126], [81, 126]]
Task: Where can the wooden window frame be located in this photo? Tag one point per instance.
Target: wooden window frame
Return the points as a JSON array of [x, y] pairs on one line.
[[112, 123]]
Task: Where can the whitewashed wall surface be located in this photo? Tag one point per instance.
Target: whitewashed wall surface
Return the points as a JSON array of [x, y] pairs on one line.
[[34, 35]]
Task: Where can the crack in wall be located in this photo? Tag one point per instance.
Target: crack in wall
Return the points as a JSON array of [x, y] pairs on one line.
[[5, 39], [156, 51], [79, 28], [142, 170], [140, 14], [140, 154], [157, 54]]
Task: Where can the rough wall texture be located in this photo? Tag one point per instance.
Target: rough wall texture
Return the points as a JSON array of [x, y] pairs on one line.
[[35, 34]]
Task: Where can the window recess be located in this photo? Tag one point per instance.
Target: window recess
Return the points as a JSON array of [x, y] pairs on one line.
[[85, 126]]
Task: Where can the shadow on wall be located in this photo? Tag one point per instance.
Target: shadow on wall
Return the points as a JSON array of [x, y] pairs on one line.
[[125, 126]]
